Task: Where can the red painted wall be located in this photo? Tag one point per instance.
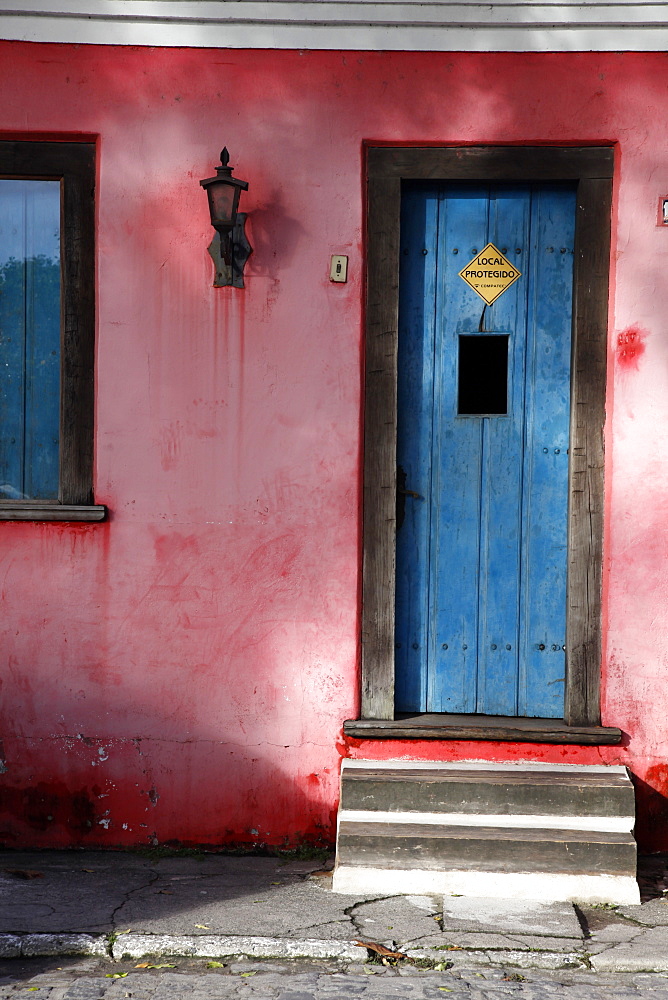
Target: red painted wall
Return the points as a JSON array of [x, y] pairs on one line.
[[182, 671]]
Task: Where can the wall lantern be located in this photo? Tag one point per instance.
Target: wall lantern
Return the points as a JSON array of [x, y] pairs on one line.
[[229, 248]]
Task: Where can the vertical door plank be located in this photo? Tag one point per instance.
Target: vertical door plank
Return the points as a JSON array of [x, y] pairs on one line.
[[454, 556], [501, 487], [419, 217], [545, 501]]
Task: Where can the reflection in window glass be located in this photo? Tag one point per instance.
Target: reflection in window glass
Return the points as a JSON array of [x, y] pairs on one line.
[[29, 339]]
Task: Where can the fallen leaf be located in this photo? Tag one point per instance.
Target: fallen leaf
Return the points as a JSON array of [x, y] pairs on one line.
[[142, 965], [380, 949], [248, 973], [215, 965], [25, 873], [116, 975], [164, 965], [369, 972], [203, 927], [90, 871], [445, 989]]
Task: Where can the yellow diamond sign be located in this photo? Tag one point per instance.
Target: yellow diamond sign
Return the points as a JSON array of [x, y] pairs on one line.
[[490, 274]]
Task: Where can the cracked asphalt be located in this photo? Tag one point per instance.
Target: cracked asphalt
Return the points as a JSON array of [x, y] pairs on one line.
[[121, 907]]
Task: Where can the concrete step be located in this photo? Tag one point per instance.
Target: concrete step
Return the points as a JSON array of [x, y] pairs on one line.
[[538, 831], [504, 789]]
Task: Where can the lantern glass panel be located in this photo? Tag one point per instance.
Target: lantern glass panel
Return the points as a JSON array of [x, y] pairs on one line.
[[222, 204]]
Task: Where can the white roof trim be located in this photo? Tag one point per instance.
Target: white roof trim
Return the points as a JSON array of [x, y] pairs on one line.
[[412, 25]]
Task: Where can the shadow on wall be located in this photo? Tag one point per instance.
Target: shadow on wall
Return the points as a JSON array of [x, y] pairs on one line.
[[652, 808], [119, 793]]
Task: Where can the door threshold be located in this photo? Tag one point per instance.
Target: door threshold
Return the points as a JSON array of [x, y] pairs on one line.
[[495, 728]]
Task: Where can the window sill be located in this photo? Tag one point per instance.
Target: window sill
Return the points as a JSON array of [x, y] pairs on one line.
[[493, 728], [26, 511]]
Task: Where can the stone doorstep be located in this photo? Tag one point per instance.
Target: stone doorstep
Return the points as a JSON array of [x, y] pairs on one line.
[[477, 828], [501, 791], [357, 880]]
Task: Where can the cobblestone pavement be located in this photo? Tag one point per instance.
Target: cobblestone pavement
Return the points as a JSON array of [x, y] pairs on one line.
[[87, 979]]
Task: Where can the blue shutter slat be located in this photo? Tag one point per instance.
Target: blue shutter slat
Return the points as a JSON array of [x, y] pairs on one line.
[[42, 405], [12, 337]]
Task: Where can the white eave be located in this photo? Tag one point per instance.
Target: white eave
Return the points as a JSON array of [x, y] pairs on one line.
[[410, 25]]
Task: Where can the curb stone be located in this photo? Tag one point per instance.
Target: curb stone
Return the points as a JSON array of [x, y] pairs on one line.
[[10, 946], [39, 945], [607, 961], [520, 959], [539, 960], [619, 959], [214, 946]]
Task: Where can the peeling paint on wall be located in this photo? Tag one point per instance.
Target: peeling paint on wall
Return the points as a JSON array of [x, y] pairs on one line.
[[630, 347]]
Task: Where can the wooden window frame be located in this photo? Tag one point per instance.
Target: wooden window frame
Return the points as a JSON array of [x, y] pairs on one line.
[[591, 168], [73, 164]]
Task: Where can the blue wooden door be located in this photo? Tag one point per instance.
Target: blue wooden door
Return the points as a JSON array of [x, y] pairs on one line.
[[482, 452]]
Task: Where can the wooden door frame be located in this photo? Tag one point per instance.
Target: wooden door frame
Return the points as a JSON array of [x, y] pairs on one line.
[[591, 168]]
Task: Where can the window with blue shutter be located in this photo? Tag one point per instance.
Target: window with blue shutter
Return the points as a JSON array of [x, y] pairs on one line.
[[29, 339], [47, 330]]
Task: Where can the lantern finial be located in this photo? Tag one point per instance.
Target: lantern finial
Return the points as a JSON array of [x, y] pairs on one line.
[[224, 157]]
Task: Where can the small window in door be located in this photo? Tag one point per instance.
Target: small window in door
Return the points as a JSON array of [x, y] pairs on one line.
[[483, 375]]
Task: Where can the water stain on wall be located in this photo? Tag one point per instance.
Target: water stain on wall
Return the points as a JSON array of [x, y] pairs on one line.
[[50, 804]]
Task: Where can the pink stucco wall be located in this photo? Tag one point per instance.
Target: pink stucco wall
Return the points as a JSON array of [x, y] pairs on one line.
[[182, 671]]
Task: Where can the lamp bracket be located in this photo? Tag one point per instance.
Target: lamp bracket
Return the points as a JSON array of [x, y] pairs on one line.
[[229, 254]]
